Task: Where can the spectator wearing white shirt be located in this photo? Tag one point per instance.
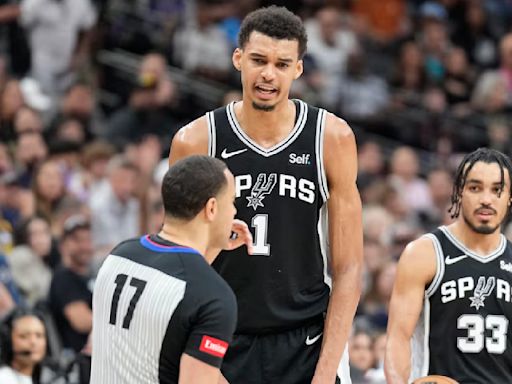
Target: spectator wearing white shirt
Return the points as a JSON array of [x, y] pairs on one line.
[[115, 211], [57, 47]]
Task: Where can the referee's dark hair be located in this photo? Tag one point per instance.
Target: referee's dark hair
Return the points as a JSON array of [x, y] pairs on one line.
[[276, 22], [190, 183], [485, 155]]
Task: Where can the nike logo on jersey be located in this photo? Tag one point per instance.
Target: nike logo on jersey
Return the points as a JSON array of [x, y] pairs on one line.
[[226, 155], [452, 260], [314, 339]]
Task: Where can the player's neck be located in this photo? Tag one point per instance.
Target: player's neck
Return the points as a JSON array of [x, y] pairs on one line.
[[480, 244], [186, 234], [267, 128]]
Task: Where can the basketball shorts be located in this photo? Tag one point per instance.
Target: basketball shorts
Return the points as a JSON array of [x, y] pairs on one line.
[[278, 358]]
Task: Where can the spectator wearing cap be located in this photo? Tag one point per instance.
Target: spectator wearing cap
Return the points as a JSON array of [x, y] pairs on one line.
[[115, 211], [70, 296]]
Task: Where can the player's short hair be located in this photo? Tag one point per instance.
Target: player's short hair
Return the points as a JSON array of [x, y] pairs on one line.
[[485, 155], [190, 183], [276, 22]]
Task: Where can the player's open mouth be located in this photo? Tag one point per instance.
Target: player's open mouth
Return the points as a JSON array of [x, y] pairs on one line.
[[265, 91]]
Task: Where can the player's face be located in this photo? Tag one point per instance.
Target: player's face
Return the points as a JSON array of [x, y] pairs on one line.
[[225, 213], [268, 67], [28, 335], [484, 204]]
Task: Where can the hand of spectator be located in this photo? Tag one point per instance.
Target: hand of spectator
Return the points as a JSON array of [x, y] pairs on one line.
[[241, 235]]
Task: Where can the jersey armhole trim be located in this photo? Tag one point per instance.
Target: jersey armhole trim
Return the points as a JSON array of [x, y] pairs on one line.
[[319, 150], [212, 140], [436, 281]]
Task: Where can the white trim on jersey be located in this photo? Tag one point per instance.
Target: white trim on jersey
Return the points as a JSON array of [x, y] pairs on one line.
[[323, 239], [483, 259], [212, 134], [420, 351], [438, 277], [131, 355], [319, 150], [267, 152]]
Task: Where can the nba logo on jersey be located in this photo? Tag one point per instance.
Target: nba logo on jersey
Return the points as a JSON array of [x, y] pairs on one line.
[[264, 186]]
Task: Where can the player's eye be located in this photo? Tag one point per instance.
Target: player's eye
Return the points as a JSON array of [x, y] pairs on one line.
[[258, 61], [282, 65]]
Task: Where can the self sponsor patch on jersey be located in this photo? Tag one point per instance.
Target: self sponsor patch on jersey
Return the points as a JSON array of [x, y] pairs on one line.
[[213, 346]]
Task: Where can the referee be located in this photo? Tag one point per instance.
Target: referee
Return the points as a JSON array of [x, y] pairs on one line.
[[161, 314]]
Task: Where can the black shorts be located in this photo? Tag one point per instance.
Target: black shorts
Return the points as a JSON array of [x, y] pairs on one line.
[[279, 358]]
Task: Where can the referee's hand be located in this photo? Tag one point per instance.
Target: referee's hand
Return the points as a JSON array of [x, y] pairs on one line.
[[240, 235]]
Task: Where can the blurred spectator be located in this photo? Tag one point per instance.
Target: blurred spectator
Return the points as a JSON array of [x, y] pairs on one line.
[[376, 303], [361, 96], [434, 39], [115, 211], [376, 375], [59, 37], [440, 188], [370, 161], [11, 101], [94, 161], [80, 103], [27, 120], [494, 81], [409, 77], [49, 189], [329, 44], [201, 47], [404, 176], [149, 107], [31, 150], [458, 81], [70, 295], [475, 36], [31, 258], [361, 357]]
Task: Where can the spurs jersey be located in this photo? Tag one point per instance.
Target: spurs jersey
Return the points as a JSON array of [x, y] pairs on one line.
[[465, 331], [153, 301], [280, 193]]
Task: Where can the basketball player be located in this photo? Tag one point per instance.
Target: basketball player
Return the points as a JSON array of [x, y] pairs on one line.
[[452, 292], [161, 314], [292, 162]]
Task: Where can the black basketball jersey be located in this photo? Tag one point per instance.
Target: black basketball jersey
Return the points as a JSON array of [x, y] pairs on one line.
[[153, 301], [465, 330], [280, 194]]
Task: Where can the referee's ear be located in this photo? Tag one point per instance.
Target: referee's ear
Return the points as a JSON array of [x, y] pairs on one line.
[[211, 209]]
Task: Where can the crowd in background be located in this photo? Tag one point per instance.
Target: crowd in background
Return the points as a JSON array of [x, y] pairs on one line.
[[92, 92]]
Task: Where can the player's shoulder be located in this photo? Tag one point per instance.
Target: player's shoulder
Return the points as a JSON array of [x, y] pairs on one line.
[[190, 139], [337, 128], [419, 256]]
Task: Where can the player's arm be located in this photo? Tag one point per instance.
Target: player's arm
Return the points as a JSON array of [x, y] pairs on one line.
[[192, 139], [346, 244], [416, 269]]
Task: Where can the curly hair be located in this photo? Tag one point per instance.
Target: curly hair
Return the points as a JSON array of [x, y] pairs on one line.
[[485, 155], [276, 22]]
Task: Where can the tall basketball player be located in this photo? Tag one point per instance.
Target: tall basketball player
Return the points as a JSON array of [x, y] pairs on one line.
[[292, 164], [452, 294]]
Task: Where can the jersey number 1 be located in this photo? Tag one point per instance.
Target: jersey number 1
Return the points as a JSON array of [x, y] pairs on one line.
[[260, 225], [139, 288]]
